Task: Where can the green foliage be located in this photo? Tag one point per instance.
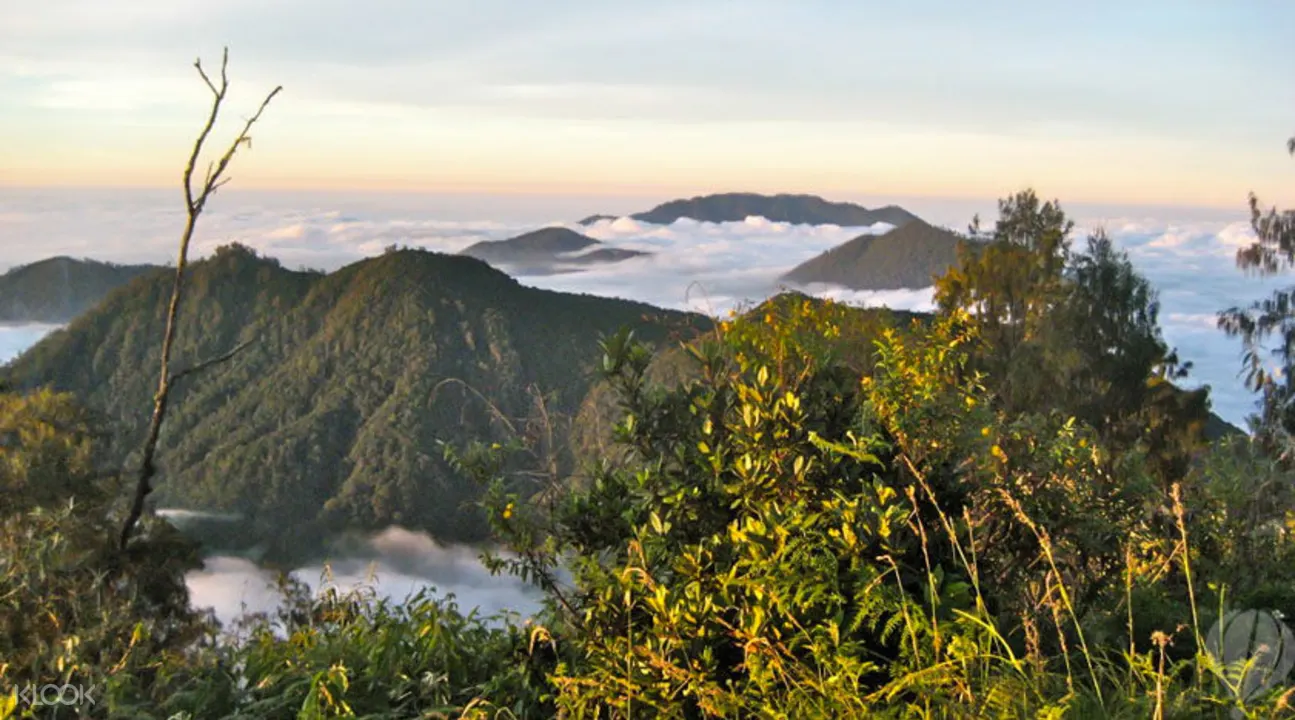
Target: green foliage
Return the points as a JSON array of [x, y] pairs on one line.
[[72, 609], [801, 535], [1272, 251], [349, 654]]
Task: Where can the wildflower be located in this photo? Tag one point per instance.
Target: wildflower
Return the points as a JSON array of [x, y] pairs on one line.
[[984, 431], [768, 318], [971, 402], [998, 453], [508, 511]]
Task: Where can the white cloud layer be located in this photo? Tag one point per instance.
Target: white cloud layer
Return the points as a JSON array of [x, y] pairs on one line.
[[396, 564]]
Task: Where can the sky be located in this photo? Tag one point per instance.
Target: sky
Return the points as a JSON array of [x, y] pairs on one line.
[[1183, 102]]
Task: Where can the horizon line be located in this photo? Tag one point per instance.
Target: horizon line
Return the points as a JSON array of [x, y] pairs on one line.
[[638, 193]]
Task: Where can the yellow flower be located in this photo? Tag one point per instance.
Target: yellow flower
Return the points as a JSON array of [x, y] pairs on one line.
[[1083, 442], [768, 318], [971, 402], [984, 431], [508, 511], [998, 453]]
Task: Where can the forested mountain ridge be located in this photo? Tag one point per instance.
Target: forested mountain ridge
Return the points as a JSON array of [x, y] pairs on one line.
[[333, 415], [57, 289]]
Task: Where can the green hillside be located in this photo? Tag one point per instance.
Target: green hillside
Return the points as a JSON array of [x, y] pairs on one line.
[[58, 289], [906, 257], [332, 418]]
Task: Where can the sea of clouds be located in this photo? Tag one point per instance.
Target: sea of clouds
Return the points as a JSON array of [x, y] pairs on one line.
[[1188, 255]]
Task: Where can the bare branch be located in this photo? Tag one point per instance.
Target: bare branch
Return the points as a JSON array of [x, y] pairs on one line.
[[224, 65], [198, 64], [199, 367], [218, 97], [194, 207], [214, 182]]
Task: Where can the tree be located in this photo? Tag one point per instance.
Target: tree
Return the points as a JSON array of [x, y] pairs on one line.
[[1073, 332], [195, 200], [1008, 283], [1111, 365], [1272, 251]]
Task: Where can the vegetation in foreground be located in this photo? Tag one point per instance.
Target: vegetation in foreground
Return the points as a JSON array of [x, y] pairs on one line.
[[996, 513], [799, 530]]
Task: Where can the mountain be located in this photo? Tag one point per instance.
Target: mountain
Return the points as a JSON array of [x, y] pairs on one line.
[[548, 250], [596, 218], [906, 257], [57, 289], [794, 209], [332, 417]]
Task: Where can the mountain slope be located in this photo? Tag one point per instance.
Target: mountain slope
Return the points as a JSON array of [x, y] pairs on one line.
[[794, 209], [546, 250], [58, 289], [906, 257], [334, 416]]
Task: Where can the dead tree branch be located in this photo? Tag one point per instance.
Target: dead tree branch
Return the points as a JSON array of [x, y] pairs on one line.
[[194, 204], [199, 367]]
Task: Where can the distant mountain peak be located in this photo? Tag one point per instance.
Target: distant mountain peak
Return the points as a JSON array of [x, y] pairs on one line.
[[793, 208], [57, 289], [905, 257], [547, 250]]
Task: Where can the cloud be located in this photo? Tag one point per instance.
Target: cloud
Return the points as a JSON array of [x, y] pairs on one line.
[[669, 60], [16, 338], [395, 563]]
